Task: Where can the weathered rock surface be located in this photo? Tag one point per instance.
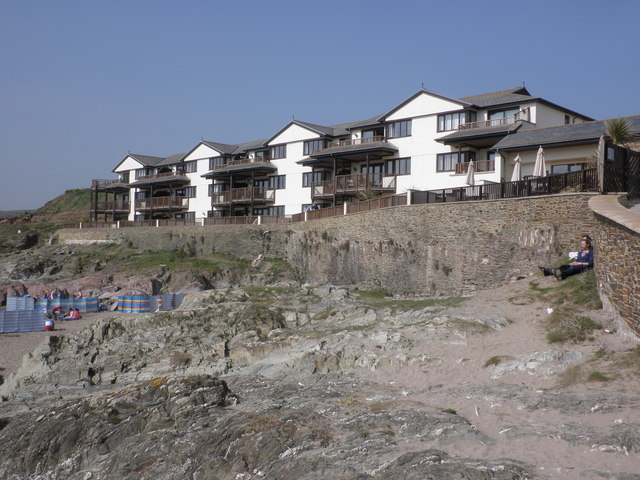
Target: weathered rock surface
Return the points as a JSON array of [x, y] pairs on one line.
[[309, 382]]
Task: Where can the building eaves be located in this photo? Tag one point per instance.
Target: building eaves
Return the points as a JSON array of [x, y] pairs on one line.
[[588, 132], [480, 132]]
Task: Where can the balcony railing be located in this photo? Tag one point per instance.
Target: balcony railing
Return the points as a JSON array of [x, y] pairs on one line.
[[95, 183], [354, 184], [242, 161], [162, 203], [243, 195], [355, 141], [479, 166], [495, 122], [111, 206], [157, 176]]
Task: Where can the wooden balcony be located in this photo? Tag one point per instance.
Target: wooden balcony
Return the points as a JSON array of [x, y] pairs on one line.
[[97, 184], [162, 178], [110, 206], [355, 184], [162, 203], [353, 149], [245, 195], [479, 166], [242, 161], [488, 123], [355, 141]]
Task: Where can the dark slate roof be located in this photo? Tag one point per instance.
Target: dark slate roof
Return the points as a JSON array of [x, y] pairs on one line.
[[481, 132], [146, 160], [566, 134], [221, 147], [322, 130], [171, 159], [503, 97]]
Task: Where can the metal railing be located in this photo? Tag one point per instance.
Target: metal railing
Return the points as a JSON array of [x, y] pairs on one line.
[[579, 181], [177, 173]]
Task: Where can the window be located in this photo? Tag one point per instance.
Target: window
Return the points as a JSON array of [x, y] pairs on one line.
[[451, 121], [499, 117], [567, 119], [375, 168], [311, 146], [279, 151], [446, 162], [399, 129], [310, 178], [217, 162], [568, 167], [262, 156], [216, 188], [190, 192], [398, 166], [142, 172], [190, 167], [277, 182], [189, 215], [124, 177], [269, 211]]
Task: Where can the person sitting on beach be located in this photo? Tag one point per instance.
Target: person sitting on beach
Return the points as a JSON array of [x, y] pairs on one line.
[[79, 294], [582, 263], [49, 324], [76, 314], [69, 315]]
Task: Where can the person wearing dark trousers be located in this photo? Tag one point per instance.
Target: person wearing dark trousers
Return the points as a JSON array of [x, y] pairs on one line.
[[583, 262]]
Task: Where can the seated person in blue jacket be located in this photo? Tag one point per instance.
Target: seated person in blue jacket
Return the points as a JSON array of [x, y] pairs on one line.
[[583, 262]]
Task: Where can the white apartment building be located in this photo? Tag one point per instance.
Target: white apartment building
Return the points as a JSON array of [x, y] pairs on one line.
[[424, 143]]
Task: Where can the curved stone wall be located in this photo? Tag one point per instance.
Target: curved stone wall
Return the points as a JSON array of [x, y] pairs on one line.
[[617, 261]]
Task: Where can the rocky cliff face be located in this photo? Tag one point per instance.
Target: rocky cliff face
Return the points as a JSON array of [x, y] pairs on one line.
[[307, 382]]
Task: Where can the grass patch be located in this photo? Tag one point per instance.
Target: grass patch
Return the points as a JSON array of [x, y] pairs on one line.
[[565, 325], [570, 376], [450, 411], [379, 298], [630, 360], [578, 291], [597, 377], [495, 360]]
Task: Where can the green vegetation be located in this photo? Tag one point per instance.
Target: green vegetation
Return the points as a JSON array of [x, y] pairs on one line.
[[73, 200], [495, 360], [450, 411], [597, 377], [379, 298], [565, 325]]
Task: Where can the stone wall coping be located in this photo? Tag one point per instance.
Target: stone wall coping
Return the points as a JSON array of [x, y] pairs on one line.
[[610, 206]]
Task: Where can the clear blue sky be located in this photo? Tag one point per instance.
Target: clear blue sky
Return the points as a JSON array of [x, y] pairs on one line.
[[83, 82]]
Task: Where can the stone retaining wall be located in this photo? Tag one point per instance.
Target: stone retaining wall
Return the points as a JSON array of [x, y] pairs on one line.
[[617, 241], [435, 249]]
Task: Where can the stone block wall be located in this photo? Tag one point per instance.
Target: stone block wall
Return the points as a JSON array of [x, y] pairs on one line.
[[436, 249], [617, 264]]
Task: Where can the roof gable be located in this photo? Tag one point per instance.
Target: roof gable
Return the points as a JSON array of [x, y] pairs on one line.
[[296, 131], [423, 102]]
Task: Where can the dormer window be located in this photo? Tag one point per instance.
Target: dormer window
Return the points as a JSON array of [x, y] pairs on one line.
[[451, 121], [502, 117]]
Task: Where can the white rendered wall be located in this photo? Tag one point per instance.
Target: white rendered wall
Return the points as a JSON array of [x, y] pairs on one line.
[[129, 163], [201, 204], [294, 195], [424, 104]]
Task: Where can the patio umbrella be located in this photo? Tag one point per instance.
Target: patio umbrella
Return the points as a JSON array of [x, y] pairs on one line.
[[470, 174], [540, 169], [517, 171]]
